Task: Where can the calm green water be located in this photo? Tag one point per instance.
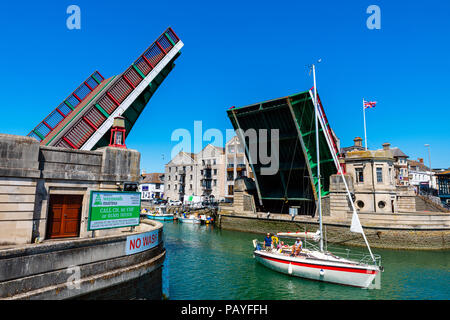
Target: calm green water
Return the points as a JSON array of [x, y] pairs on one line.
[[207, 263]]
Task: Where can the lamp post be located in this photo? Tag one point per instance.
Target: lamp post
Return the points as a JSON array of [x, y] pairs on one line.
[[431, 170]]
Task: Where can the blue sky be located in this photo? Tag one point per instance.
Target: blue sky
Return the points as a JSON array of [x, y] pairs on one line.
[[238, 53]]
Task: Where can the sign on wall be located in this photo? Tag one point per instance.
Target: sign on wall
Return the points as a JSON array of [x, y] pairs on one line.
[[113, 209], [141, 242]]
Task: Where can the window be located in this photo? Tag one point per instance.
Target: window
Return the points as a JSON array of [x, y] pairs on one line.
[[190, 186], [191, 176], [214, 161], [157, 186], [379, 174], [381, 204], [215, 182], [359, 175], [360, 204], [168, 187], [215, 171], [230, 189]]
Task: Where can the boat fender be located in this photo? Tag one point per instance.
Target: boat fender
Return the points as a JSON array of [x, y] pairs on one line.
[[290, 268], [321, 272]]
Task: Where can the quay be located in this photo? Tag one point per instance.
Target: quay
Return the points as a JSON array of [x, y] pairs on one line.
[[47, 250], [418, 230]]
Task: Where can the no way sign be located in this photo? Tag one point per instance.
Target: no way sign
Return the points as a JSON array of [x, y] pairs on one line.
[[141, 242]]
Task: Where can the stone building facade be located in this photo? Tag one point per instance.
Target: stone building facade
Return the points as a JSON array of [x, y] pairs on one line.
[[33, 177], [236, 165], [201, 174]]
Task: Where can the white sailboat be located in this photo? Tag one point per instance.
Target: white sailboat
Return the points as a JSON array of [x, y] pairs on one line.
[[316, 263]]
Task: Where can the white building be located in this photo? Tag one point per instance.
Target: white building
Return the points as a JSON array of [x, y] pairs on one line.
[[151, 186], [419, 174]]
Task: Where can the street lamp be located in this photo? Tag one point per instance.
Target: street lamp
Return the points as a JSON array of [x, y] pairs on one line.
[[431, 170]]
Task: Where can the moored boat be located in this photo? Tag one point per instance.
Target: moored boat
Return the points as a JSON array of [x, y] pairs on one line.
[[189, 219], [161, 217], [161, 214]]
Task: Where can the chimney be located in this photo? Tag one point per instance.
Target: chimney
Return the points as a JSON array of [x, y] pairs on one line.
[[386, 146], [358, 142], [421, 160]]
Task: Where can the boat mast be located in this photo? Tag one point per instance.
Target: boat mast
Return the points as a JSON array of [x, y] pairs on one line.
[[316, 113], [339, 170]]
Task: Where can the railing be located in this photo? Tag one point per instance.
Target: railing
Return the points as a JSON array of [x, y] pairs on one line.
[[361, 258], [43, 129], [107, 102], [206, 186]]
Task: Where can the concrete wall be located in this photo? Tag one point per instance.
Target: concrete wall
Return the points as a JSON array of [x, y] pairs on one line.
[[30, 174], [19, 173], [399, 231], [47, 270]]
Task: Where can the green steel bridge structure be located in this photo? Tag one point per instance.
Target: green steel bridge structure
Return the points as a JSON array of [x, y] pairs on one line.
[[295, 184]]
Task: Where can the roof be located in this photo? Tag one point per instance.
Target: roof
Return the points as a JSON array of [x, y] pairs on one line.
[[397, 153], [443, 173], [351, 148], [151, 177], [418, 164]]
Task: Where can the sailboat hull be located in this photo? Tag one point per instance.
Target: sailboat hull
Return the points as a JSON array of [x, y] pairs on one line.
[[321, 270]]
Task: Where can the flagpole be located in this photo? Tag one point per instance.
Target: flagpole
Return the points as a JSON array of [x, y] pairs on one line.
[[365, 132]]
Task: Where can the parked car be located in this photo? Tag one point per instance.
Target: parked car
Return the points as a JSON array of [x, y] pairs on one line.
[[175, 203]]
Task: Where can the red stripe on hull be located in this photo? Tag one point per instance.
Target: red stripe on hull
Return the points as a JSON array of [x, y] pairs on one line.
[[345, 269]]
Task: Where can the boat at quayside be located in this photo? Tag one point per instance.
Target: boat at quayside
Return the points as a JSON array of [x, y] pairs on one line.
[[312, 262]]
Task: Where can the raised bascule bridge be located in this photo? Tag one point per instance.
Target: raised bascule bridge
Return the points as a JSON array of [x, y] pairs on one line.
[[83, 120], [295, 184]]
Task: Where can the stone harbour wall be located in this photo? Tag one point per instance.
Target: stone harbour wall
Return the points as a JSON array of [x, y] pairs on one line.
[[388, 237], [83, 269]]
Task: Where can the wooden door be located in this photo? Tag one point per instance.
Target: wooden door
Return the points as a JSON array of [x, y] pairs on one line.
[[64, 216]]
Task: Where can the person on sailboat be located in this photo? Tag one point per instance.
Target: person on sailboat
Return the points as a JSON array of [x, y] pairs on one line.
[[274, 241], [280, 246], [267, 242], [297, 247]]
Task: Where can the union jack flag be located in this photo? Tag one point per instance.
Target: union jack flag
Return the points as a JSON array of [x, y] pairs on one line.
[[369, 104]]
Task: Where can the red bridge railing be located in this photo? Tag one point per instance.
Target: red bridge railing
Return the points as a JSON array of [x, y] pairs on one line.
[[107, 102], [44, 128]]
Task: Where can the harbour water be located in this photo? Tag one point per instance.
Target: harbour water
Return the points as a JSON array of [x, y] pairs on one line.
[[207, 263]]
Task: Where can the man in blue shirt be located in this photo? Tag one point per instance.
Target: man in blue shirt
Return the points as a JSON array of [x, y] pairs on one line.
[[267, 242]]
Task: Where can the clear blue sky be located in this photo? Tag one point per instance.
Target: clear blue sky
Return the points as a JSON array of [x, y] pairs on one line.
[[238, 53]]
